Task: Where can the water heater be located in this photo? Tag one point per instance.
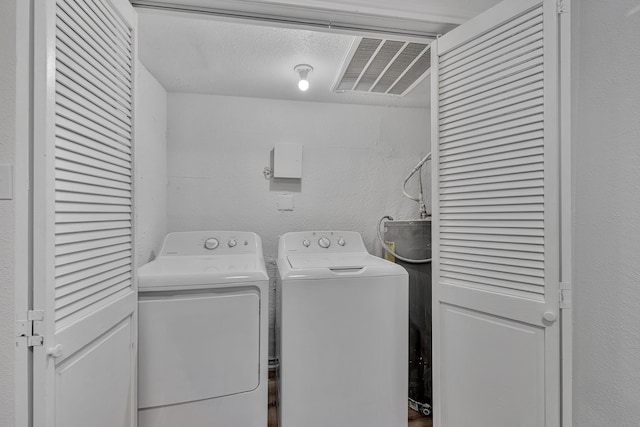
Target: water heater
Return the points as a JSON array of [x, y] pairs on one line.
[[412, 239]]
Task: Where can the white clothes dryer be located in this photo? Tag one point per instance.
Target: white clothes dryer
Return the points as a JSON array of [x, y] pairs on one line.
[[202, 356], [342, 333]]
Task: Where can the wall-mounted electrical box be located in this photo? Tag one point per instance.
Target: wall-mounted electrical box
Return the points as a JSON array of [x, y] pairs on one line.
[[287, 161]]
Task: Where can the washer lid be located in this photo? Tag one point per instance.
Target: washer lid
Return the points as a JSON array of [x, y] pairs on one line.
[[333, 261], [337, 265], [176, 272]]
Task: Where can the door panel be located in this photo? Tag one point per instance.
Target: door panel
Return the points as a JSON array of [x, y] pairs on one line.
[[84, 374], [496, 219], [476, 346], [101, 374]]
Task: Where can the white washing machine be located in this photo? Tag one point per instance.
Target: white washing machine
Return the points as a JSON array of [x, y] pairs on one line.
[[342, 333], [202, 356]]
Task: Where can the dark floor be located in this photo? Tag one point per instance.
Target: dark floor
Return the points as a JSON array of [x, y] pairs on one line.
[[415, 418]]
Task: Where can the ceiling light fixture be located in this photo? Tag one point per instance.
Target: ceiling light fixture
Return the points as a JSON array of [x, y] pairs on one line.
[[303, 70]]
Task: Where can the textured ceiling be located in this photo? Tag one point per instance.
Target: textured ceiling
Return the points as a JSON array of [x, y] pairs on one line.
[[198, 54]]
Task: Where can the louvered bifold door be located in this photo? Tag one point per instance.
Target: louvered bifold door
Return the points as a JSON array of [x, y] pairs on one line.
[[496, 216], [86, 221]]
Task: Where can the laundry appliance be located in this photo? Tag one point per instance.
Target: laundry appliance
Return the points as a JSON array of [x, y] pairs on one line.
[[342, 333], [203, 307]]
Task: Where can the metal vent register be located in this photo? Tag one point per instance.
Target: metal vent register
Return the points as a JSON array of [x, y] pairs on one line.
[[385, 67]]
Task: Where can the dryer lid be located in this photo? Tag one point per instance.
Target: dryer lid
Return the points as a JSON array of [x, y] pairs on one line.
[[178, 272]]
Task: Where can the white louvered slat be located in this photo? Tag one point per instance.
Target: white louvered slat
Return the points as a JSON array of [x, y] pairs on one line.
[[68, 298], [63, 196], [75, 26], [91, 180], [521, 102], [512, 201], [109, 109], [492, 141], [74, 187], [88, 170], [66, 267], [83, 133], [493, 284], [62, 249], [453, 250], [515, 87], [102, 153], [521, 76], [483, 42], [498, 71], [494, 167], [66, 259], [87, 75], [93, 112], [496, 150], [71, 237], [115, 24], [78, 106], [86, 227], [79, 277], [95, 19], [516, 38], [508, 59], [93, 161], [91, 207], [518, 123], [464, 237], [493, 179], [105, 274], [91, 303], [103, 129], [67, 218]]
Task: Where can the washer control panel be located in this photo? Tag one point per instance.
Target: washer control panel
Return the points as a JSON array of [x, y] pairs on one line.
[[301, 242], [207, 243]]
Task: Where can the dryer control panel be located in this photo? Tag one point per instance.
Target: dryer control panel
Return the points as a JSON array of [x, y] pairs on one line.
[[314, 242], [206, 243]]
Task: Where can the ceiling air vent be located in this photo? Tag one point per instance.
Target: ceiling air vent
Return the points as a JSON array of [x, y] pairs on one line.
[[385, 67]]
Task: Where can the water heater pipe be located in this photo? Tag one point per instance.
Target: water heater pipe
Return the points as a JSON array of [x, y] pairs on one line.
[[388, 249], [420, 199]]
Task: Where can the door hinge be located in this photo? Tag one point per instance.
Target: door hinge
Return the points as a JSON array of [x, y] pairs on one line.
[[565, 295], [561, 7], [26, 329]]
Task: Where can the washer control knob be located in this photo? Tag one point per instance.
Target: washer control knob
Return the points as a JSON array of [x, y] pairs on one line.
[[232, 243], [341, 242], [323, 242], [211, 243], [306, 243]]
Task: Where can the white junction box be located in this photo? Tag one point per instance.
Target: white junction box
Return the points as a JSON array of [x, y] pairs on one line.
[[285, 202], [287, 161]]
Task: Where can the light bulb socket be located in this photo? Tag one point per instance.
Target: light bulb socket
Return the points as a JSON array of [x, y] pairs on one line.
[[303, 71]]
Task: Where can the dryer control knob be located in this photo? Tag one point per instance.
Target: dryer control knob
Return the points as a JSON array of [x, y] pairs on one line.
[[306, 243], [232, 243], [211, 243], [341, 242], [323, 242]]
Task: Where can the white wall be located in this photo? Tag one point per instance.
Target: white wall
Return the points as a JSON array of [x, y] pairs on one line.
[[354, 161], [150, 166], [607, 213], [7, 209]]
